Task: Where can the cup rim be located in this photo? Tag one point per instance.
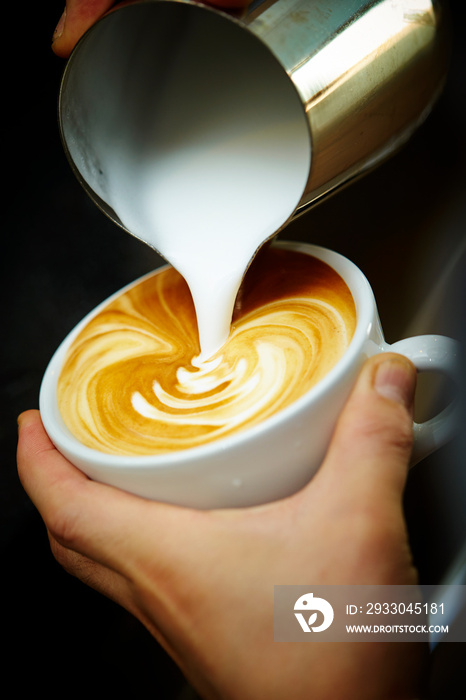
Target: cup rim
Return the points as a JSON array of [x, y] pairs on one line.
[[65, 441]]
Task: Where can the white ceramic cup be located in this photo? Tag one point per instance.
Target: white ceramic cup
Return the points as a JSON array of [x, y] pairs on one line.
[[277, 457]]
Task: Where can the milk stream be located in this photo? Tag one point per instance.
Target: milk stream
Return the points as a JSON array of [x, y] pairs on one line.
[[203, 156], [236, 193], [207, 203]]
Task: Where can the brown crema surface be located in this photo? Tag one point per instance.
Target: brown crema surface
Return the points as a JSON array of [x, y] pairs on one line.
[[129, 386]]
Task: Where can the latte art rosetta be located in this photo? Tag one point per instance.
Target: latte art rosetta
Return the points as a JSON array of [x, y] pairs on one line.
[[129, 384]]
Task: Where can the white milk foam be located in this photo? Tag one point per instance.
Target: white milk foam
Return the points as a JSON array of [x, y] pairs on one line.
[[237, 192], [208, 164]]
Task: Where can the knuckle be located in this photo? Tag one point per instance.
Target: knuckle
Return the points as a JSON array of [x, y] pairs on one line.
[[72, 562], [391, 427], [62, 555], [63, 525], [395, 434]]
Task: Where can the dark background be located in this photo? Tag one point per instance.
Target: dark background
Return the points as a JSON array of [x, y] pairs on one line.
[[404, 225]]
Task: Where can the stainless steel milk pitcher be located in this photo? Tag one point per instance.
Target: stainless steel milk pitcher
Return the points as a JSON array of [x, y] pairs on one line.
[[365, 72]]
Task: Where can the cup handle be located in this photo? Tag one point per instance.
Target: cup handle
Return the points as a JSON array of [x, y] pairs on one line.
[[433, 353]]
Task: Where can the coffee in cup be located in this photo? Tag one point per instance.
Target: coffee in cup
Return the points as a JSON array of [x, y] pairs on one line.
[[132, 382]]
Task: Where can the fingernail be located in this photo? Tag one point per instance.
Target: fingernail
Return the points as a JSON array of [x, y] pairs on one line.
[[60, 27], [20, 420], [395, 379]]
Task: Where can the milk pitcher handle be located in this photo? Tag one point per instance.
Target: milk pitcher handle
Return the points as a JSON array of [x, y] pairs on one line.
[[440, 355]]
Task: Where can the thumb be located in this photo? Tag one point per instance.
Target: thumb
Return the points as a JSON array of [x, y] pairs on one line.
[[372, 443]]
